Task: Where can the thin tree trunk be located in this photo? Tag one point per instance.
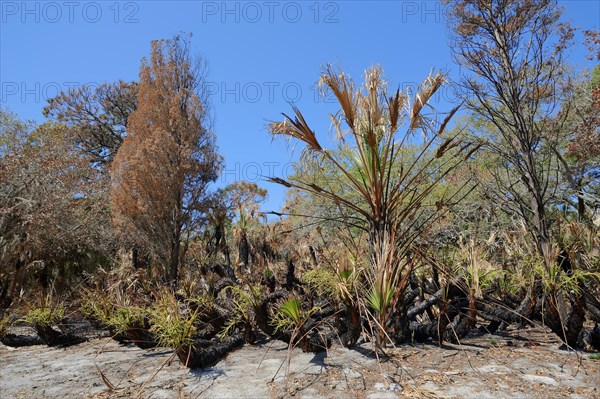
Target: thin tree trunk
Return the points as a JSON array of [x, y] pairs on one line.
[[174, 261], [580, 205]]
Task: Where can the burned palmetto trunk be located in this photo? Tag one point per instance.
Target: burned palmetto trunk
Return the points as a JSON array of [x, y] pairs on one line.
[[566, 321], [244, 249], [291, 281], [263, 317], [350, 326], [593, 337], [207, 353], [54, 337]]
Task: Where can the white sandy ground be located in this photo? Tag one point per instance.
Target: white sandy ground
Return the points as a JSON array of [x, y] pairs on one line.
[[483, 367]]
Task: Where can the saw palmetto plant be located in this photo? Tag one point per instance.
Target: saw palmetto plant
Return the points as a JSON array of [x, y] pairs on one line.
[[244, 303], [389, 157], [555, 278], [291, 317], [328, 284], [477, 273]]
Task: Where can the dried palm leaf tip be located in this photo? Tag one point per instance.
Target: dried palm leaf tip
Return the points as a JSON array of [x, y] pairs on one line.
[[297, 128], [343, 88], [427, 89], [395, 104]]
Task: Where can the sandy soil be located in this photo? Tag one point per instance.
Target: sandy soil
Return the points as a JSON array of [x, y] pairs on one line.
[[518, 364]]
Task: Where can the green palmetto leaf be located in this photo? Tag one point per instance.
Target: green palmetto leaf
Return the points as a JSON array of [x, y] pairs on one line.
[[291, 316], [344, 275], [292, 308], [380, 297]]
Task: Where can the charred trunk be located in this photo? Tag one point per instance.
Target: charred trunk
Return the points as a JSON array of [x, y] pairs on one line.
[[52, 337], [201, 356], [568, 325], [262, 316], [244, 249], [349, 326]]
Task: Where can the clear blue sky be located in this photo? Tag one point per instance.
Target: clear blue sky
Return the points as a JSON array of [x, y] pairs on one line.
[[261, 56]]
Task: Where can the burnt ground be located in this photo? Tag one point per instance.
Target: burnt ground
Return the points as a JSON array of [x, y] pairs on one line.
[[525, 363]]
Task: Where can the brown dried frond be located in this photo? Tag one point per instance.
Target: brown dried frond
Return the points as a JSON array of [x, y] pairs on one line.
[[280, 181], [447, 119], [446, 146], [336, 122], [316, 188], [282, 128], [374, 85], [296, 128], [343, 89], [395, 104], [473, 150], [427, 89]]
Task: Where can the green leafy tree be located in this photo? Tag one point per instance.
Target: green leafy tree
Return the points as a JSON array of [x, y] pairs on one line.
[[580, 157], [512, 54]]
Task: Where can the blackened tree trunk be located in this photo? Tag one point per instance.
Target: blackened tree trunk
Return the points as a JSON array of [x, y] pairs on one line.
[[566, 321], [513, 50], [174, 268], [244, 249]]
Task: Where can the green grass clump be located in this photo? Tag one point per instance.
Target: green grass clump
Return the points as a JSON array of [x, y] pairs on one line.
[[204, 303], [244, 302], [125, 318], [321, 282], [5, 323], [97, 307], [173, 326], [46, 315]]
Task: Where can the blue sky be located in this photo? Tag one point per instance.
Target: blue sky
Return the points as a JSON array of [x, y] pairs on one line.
[[261, 56]]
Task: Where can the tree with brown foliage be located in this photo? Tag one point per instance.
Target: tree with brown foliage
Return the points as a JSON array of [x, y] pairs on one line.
[[581, 160], [52, 208], [162, 171]]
